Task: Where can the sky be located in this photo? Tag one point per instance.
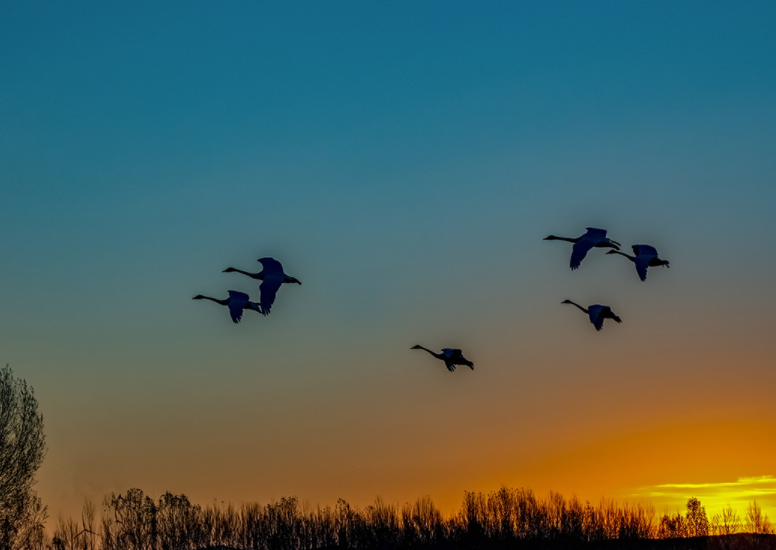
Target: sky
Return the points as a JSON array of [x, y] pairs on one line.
[[404, 161]]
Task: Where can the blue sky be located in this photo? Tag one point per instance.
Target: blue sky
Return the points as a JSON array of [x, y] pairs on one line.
[[404, 161]]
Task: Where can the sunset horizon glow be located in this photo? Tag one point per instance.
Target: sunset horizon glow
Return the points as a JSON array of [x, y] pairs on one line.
[[405, 161]]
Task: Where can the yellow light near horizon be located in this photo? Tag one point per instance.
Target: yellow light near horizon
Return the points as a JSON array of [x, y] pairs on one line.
[[716, 496], [662, 465]]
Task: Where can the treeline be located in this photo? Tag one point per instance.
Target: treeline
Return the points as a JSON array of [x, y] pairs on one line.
[[507, 518]]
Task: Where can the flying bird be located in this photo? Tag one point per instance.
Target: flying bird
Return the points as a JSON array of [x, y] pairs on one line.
[[272, 277], [237, 302], [451, 357], [593, 238], [645, 256], [597, 313]]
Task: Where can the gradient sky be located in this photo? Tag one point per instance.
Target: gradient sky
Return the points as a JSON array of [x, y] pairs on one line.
[[404, 160]]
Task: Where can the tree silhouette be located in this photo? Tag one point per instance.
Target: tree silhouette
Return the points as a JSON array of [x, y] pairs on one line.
[[697, 521], [22, 447], [756, 522]]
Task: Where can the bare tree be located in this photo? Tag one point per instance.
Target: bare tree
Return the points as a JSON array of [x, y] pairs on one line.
[[69, 535], [22, 447], [697, 521], [726, 523], [756, 522], [724, 526]]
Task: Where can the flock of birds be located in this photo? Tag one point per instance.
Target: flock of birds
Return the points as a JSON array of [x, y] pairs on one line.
[[645, 256], [272, 277]]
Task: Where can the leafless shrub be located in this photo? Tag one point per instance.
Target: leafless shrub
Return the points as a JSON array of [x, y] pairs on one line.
[[507, 518]]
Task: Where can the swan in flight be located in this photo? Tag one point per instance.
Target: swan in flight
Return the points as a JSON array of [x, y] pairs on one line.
[[451, 357], [271, 277], [597, 313], [593, 238], [236, 302], [645, 256]]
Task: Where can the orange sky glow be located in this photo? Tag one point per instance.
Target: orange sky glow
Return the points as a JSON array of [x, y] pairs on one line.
[[405, 161]]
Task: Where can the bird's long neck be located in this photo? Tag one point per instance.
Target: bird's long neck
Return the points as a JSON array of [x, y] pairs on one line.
[[554, 238], [252, 275], [576, 304], [437, 355], [216, 300], [631, 258]]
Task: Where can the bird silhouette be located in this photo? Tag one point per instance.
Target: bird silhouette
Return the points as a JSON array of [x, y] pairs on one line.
[[272, 278], [592, 238], [645, 256], [237, 302], [597, 313], [451, 357]]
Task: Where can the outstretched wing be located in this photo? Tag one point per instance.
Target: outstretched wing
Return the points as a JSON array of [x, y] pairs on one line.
[[270, 265], [599, 236], [451, 352], [580, 249], [450, 366], [594, 312], [269, 289], [644, 250], [642, 263], [237, 302], [595, 234], [606, 313]]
